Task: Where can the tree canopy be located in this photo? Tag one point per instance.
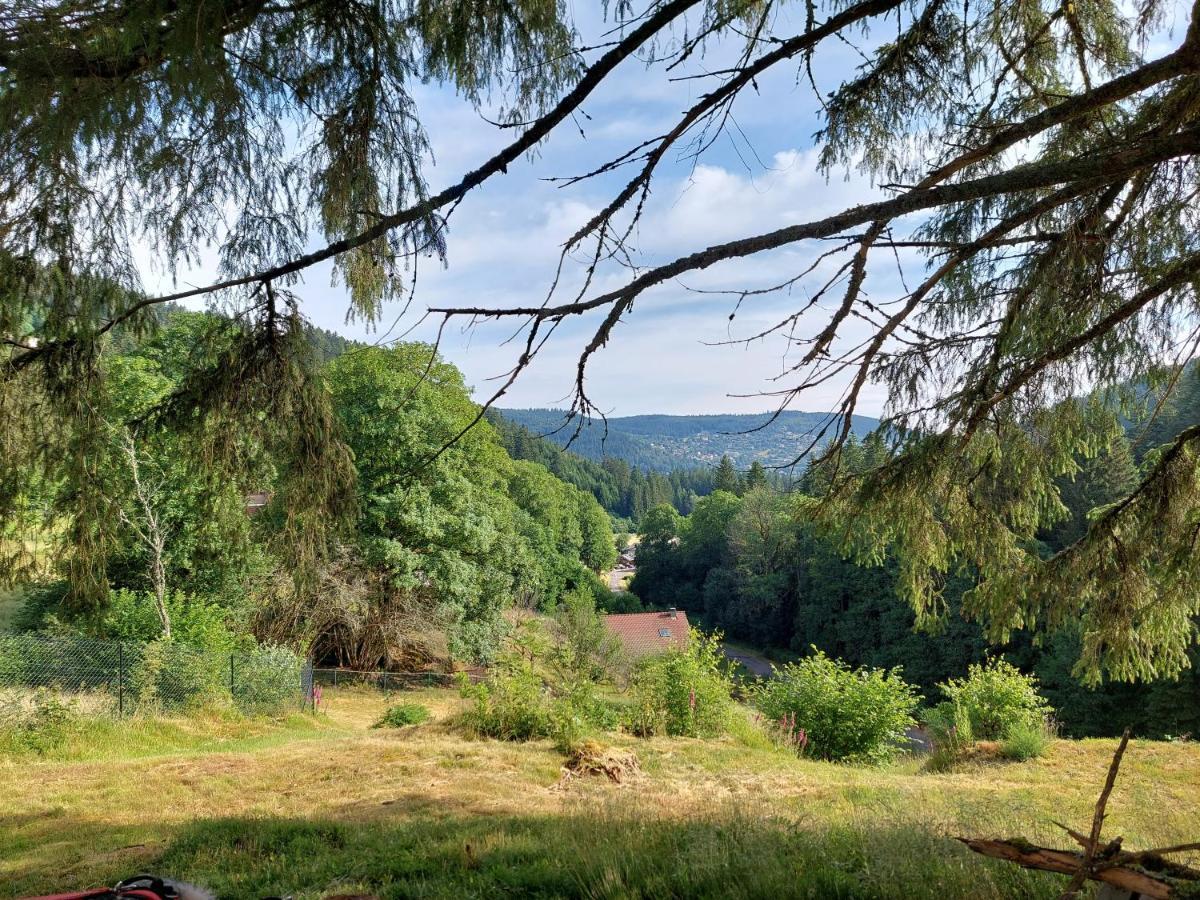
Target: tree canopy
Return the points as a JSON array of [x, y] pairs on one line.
[[1037, 170]]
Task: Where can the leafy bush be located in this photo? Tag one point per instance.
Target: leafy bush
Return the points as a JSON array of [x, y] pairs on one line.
[[195, 622], [511, 705], [997, 697], [545, 684], [584, 650], [35, 723], [1026, 741], [683, 692], [266, 679], [166, 675], [949, 729], [403, 714], [64, 661], [823, 708]]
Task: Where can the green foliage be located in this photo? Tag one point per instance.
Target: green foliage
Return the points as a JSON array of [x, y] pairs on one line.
[[164, 675], [726, 478], [457, 533], [842, 713], [542, 685], [683, 691], [585, 651], [37, 722], [755, 478], [1025, 741], [431, 562], [156, 676], [996, 697], [195, 622], [613, 478], [402, 715], [776, 578], [511, 705], [266, 680], [950, 733], [621, 602]]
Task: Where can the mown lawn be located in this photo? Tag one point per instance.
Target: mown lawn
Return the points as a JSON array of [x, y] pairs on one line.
[[311, 807]]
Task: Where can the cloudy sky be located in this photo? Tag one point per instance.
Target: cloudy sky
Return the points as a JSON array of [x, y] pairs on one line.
[[505, 237]]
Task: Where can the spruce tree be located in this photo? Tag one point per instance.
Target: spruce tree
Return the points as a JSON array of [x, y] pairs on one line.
[[755, 478], [726, 477]]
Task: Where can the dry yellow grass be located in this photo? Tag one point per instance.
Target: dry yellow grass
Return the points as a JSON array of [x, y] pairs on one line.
[[89, 820]]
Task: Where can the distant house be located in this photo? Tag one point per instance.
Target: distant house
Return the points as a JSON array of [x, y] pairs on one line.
[[644, 634], [255, 501]]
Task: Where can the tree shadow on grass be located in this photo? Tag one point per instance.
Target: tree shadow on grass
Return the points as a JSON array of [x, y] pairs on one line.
[[604, 854]]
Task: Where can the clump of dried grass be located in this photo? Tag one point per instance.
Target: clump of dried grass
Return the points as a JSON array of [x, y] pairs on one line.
[[593, 758]]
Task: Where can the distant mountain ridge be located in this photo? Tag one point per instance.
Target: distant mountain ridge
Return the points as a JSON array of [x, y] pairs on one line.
[[664, 442]]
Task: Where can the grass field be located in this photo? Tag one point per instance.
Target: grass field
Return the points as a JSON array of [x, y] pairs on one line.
[[315, 806]]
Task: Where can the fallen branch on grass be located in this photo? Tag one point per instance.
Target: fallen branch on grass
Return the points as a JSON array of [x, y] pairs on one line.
[[1145, 873]]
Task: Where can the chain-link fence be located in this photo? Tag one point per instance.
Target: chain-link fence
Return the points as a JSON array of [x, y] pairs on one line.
[[388, 681], [123, 678]]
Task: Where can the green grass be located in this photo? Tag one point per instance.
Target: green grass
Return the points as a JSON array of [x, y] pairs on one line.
[[1026, 741], [402, 715], [10, 606], [605, 852], [208, 733], [312, 807]]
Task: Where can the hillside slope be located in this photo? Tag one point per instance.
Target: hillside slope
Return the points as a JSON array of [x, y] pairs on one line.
[[314, 806], [663, 442]]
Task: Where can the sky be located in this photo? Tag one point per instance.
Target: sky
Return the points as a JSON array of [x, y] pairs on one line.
[[504, 242]]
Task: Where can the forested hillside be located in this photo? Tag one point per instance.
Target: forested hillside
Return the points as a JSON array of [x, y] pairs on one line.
[[662, 443], [757, 567], [427, 553], [626, 491]]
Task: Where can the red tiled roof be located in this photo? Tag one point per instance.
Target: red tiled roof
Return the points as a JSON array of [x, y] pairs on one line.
[[643, 633]]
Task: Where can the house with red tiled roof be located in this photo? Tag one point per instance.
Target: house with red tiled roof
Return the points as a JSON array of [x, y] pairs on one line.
[[644, 634]]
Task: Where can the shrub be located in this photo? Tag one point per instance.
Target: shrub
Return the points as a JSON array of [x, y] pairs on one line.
[[403, 714], [584, 650], [267, 679], [541, 687], [1026, 741], [683, 692], [195, 622], [949, 729], [511, 705], [822, 707], [167, 675], [35, 723], [996, 698]]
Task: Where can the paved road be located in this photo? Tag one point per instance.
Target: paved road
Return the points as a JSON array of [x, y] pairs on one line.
[[616, 579], [755, 665]]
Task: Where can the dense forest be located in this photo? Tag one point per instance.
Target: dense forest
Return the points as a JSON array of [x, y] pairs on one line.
[[662, 443], [756, 567], [439, 542], [623, 489]]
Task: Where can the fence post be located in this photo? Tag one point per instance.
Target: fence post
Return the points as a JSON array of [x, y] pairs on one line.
[[232, 699], [120, 679], [385, 682], [335, 674]]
